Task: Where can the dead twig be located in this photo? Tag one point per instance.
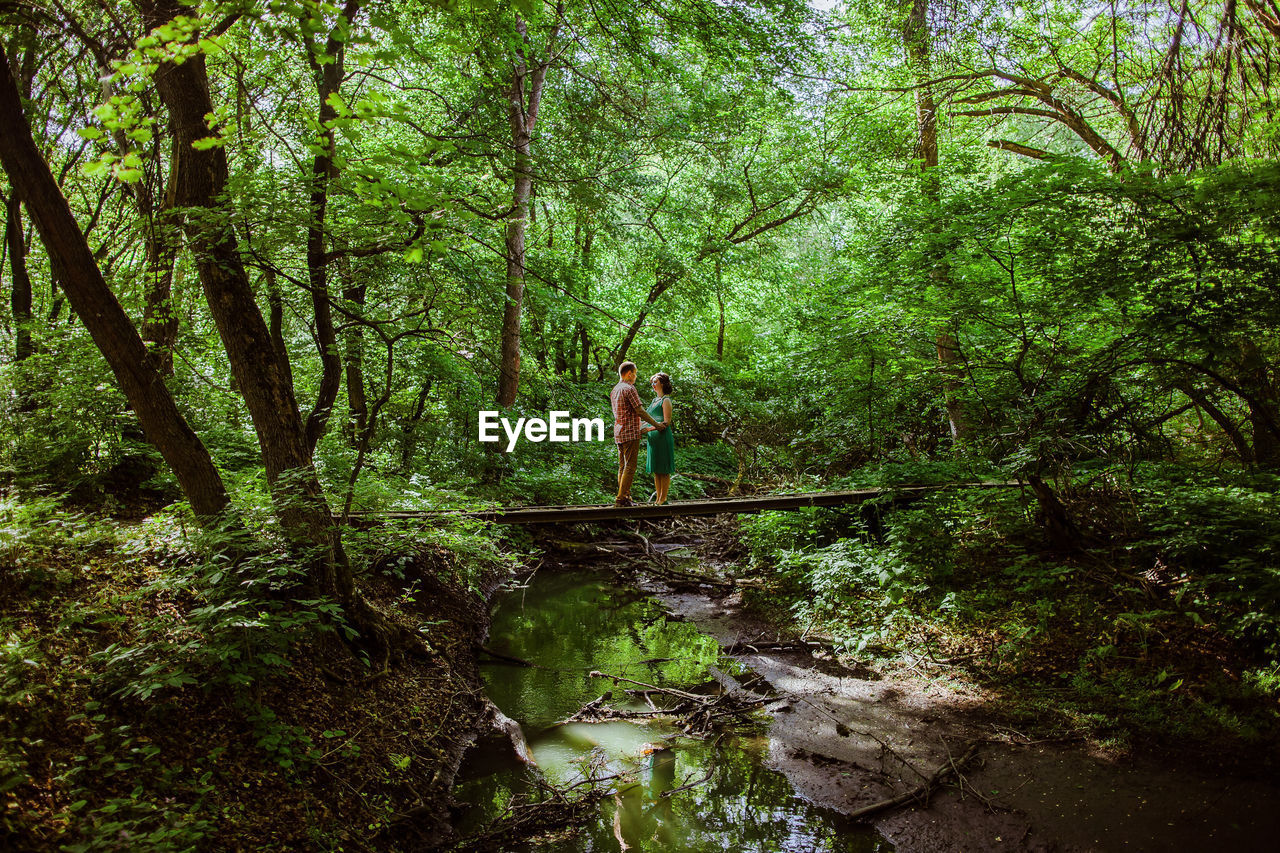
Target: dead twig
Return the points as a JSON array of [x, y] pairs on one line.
[[711, 771], [670, 691], [920, 793], [499, 656]]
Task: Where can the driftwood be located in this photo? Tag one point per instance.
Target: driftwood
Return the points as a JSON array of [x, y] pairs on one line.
[[698, 714], [921, 793], [522, 821], [756, 647], [670, 691], [509, 731], [733, 687], [501, 658]]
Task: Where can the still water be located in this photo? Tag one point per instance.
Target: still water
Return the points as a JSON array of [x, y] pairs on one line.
[[571, 623]]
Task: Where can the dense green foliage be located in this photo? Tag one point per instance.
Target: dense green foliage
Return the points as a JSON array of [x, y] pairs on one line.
[[886, 243]]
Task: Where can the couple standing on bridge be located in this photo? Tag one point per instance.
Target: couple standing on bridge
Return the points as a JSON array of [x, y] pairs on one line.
[[627, 414]]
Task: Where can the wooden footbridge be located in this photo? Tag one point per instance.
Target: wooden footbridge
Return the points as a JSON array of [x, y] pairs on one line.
[[672, 509]]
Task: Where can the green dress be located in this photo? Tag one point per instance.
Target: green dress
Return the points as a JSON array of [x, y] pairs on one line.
[[662, 444]]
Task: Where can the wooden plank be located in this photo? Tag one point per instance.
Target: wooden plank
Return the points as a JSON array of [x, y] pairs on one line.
[[712, 506]]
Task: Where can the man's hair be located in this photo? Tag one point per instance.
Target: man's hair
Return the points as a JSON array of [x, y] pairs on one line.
[[624, 367]]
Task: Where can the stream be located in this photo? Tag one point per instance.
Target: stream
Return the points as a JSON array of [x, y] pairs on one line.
[[570, 623]]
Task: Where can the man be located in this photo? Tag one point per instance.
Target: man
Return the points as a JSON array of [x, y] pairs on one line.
[[627, 414]]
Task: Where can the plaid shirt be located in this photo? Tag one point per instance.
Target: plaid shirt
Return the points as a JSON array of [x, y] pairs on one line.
[[626, 412]]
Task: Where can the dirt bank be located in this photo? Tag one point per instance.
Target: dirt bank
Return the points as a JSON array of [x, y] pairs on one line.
[[847, 738], [317, 751]]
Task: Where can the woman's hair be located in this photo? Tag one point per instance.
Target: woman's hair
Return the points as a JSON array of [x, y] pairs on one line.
[[664, 379]]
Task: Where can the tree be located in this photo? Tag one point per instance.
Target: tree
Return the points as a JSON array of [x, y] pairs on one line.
[[916, 40], [138, 373], [199, 183]]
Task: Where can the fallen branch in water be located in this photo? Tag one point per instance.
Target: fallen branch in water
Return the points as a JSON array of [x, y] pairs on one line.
[[499, 656], [662, 567], [711, 771], [921, 793], [522, 821], [670, 691], [698, 713]]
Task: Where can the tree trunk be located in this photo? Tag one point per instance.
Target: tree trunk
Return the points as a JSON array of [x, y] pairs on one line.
[[1228, 427], [916, 40], [1264, 407], [328, 80], [522, 183], [562, 361], [915, 37], [538, 328], [584, 358], [20, 296], [1061, 530], [952, 363], [720, 303], [409, 434], [275, 304], [97, 307], [522, 114], [660, 286], [159, 320], [357, 395]]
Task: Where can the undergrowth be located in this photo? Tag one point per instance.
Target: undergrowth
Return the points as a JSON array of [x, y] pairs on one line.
[[157, 695], [1161, 627]]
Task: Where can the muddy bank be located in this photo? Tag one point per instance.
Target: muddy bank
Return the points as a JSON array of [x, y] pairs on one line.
[[846, 738], [450, 710]]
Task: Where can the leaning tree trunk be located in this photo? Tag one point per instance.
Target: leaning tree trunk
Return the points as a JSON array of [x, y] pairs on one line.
[[92, 300], [20, 295]]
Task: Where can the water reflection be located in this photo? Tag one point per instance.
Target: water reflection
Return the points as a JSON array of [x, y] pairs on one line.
[[570, 624]]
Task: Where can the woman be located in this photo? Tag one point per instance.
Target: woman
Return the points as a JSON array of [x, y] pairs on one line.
[[661, 459]]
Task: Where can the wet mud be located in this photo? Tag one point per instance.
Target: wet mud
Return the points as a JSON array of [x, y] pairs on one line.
[[846, 738]]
